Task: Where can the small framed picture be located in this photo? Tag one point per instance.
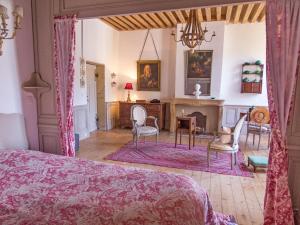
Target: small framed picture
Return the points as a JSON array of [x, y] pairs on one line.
[[148, 75]]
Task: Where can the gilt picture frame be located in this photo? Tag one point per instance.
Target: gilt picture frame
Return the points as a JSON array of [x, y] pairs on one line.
[[148, 75]]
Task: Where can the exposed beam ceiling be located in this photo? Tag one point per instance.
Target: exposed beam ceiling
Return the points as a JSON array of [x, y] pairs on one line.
[[238, 13]]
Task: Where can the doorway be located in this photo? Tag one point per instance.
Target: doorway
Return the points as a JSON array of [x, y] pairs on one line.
[[96, 96]]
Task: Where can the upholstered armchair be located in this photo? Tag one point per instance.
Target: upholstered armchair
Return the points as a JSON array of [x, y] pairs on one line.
[[139, 127], [231, 146]]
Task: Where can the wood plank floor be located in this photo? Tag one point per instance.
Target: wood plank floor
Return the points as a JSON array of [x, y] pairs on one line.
[[239, 196]]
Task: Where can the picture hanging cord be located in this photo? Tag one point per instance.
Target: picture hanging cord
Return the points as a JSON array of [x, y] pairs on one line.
[[147, 34], [81, 38]]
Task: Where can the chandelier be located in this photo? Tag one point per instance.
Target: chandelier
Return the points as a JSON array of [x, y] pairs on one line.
[[4, 31], [193, 34]]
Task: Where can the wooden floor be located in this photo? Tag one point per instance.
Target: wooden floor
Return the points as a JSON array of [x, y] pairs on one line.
[[239, 196]]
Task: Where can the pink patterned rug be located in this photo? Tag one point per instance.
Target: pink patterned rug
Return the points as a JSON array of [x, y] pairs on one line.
[[165, 154]]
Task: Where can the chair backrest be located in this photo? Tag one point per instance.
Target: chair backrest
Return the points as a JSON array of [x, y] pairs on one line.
[[139, 114], [237, 130]]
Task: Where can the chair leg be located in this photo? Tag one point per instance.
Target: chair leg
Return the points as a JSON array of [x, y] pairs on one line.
[[136, 142], [156, 138], [246, 140], [253, 139], [269, 140], [259, 138], [235, 158], [232, 160], [208, 157]]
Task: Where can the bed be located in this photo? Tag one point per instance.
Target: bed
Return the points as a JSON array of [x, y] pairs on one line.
[[39, 188]]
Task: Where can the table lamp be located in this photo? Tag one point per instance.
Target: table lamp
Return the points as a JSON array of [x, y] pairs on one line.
[[128, 87]]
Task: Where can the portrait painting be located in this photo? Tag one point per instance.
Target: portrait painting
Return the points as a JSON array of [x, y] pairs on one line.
[[148, 75], [199, 64]]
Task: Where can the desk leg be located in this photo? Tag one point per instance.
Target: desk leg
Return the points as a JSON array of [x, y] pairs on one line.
[[176, 138], [190, 135], [194, 135], [180, 136]]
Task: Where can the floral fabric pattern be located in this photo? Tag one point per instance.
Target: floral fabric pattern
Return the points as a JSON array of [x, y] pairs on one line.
[[64, 51], [39, 188], [283, 45]]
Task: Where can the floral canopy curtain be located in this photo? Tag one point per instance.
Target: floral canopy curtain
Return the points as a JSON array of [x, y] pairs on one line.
[[64, 51], [283, 45]]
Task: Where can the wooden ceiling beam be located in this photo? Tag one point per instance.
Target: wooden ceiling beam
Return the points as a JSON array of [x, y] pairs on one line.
[[257, 12], [247, 13], [155, 18], [238, 13], [126, 22], [200, 16], [111, 22], [180, 16], [120, 22], [228, 13], [164, 19], [136, 23], [172, 18], [208, 14], [219, 13], [141, 21], [149, 20], [262, 16]]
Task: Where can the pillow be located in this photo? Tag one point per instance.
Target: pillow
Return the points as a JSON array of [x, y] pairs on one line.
[[225, 139], [12, 132]]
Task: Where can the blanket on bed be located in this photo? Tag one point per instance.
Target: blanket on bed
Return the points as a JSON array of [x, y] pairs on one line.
[[39, 188]]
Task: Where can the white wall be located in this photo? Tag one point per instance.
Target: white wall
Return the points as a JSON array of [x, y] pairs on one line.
[[16, 66], [100, 45], [242, 43], [233, 45], [130, 46], [216, 45]]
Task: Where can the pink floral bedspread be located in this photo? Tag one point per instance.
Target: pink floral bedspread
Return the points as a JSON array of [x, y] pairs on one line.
[[38, 188]]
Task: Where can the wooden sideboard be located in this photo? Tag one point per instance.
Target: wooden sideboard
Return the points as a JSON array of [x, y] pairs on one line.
[[157, 110]]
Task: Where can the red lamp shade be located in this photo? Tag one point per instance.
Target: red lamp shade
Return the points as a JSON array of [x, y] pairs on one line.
[[128, 86]]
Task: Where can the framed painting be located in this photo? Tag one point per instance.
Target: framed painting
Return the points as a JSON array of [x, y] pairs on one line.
[[148, 75], [198, 71], [199, 64]]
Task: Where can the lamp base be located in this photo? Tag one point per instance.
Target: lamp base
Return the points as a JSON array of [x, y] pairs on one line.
[[128, 97]]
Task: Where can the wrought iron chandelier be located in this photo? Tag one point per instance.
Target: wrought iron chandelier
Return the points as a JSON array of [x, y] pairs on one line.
[[193, 34]]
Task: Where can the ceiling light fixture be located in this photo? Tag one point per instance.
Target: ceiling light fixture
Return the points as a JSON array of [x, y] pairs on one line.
[[193, 34]]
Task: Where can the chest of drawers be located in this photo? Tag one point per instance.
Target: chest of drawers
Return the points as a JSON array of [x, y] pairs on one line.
[[157, 110]]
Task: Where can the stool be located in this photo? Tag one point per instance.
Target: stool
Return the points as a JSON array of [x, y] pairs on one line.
[[186, 124], [258, 161]]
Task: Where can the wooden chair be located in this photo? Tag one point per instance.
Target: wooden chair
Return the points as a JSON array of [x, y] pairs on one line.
[[139, 127], [231, 148], [258, 124]]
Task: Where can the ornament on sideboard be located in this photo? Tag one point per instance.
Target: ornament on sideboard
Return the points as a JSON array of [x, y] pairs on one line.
[[197, 92]]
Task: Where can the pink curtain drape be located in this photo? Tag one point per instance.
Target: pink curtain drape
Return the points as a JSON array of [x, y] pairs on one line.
[[283, 45], [64, 51]]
